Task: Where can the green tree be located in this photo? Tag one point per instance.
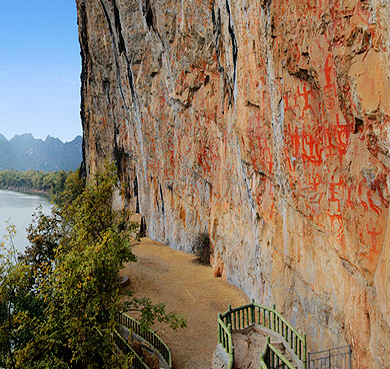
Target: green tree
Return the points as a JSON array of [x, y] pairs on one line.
[[59, 183], [12, 287], [73, 187], [70, 274]]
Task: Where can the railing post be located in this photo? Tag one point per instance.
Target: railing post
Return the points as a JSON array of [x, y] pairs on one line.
[[253, 311], [231, 347], [349, 354], [304, 352], [273, 318], [268, 362], [269, 319], [229, 316], [234, 323], [219, 329]]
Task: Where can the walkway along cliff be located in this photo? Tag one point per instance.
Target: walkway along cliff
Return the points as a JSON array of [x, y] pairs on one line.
[[266, 124]]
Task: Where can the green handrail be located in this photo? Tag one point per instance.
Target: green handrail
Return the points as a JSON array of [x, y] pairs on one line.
[[126, 349], [225, 338], [272, 358], [291, 335], [247, 315], [148, 335]]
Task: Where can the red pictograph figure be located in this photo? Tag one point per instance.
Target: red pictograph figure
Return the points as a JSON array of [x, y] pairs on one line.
[[321, 110], [291, 161], [364, 204], [329, 73], [361, 234], [374, 207], [334, 187], [314, 181], [337, 224], [348, 201], [374, 233], [270, 162], [295, 141], [271, 190], [343, 132], [258, 129], [305, 94], [314, 154], [286, 98], [272, 210], [330, 87], [329, 146], [310, 209]]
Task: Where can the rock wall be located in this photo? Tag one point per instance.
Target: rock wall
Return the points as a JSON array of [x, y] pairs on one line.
[[265, 123]]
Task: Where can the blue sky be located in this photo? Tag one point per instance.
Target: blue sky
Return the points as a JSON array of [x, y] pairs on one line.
[[39, 68]]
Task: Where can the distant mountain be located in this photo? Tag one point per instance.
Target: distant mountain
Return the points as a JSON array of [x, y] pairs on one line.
[[24, 152]]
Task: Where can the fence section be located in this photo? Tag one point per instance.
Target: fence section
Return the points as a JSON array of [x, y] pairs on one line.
[[250, 314], [246, 316], [226, 340], [148, 336], [335, 358], [273, 359], [296, 341], [126, 349]]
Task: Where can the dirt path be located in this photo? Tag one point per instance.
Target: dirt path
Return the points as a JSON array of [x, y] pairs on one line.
[[170, 276]]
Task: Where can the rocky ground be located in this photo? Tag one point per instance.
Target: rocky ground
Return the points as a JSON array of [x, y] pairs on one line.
[[170, 276]]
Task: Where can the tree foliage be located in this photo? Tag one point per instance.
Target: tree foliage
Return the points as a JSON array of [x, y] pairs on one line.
[[53, 183], [59, 300]]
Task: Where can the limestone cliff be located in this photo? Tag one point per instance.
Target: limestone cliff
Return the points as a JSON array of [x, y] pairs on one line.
[[265, 123]]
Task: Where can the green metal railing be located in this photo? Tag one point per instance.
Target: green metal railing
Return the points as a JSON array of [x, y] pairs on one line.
[[272, 358], [250, 314], [226, 340], [126, 349], [148, 335], [337, 357]]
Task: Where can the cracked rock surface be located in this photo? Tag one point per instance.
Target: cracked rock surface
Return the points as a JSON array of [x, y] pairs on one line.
[[265, 124]]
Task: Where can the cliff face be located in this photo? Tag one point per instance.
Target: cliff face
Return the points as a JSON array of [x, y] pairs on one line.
[[267, 125]]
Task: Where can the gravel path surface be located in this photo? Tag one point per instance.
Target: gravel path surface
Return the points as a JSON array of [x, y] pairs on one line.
[[170, 276]]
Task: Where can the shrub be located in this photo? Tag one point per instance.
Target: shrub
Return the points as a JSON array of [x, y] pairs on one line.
[[202, 249]]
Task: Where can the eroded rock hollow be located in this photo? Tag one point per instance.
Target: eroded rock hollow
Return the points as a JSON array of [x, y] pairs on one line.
[[266, 124]]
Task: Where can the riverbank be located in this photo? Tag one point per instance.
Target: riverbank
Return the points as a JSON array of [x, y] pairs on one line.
[[29, 191]]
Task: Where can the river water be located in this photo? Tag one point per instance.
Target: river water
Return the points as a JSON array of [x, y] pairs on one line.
[[18, 208]]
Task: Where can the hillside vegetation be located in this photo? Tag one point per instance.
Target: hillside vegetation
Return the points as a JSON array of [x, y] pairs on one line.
[[50, 183], [24, 153], [59, 300]]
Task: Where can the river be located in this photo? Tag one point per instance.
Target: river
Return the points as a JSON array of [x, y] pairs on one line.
[[19, 207]]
